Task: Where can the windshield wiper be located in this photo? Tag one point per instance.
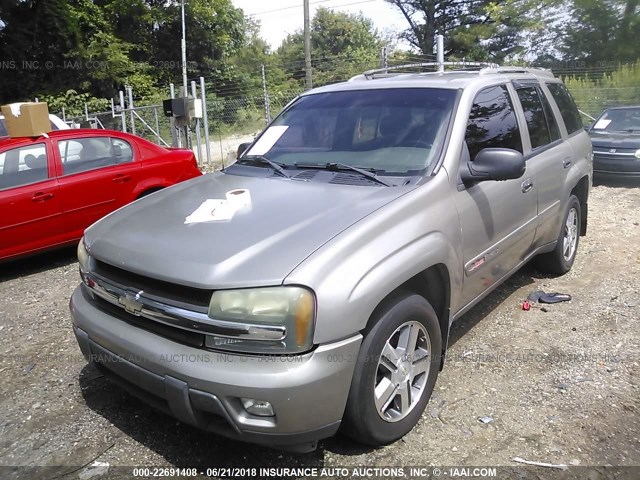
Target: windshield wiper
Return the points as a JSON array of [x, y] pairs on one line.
[[262, 159], [343, 166]]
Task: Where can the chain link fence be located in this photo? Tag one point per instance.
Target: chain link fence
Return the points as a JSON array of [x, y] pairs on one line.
[[593, 100], [231, 121]]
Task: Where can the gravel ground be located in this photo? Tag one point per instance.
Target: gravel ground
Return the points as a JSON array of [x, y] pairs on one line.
[[561, 386]]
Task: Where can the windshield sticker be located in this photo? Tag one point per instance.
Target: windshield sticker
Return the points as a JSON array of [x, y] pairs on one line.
[[268, 140], [602, 124], [216, 210]]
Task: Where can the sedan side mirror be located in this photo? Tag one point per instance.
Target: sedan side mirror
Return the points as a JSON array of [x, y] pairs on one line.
[[494, 164], [242, 148]]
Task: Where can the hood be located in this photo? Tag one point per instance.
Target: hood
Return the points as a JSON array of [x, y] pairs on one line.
[[605, 139], [285, 222]]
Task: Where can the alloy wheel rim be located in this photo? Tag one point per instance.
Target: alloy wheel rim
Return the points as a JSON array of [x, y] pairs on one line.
[[403, 369], [570, 239]]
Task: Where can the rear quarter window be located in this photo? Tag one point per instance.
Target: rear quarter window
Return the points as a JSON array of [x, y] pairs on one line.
[[567, 106]]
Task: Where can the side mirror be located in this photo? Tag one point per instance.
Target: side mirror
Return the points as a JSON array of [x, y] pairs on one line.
[[494, 164], [242, 148]]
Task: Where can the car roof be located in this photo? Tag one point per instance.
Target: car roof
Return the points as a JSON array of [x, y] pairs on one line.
[[452, 79], [72, 133]]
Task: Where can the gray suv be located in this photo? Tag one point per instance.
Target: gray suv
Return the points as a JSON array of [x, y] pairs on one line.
[[311, 286]]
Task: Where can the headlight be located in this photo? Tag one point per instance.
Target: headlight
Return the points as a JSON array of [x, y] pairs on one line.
[[83, 256], [638, 153], [272, 320]]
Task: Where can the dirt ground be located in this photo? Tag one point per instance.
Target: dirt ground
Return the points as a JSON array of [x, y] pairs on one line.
[[561, 386]]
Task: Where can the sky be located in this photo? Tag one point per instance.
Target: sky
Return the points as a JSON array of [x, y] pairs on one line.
[[281, 17]]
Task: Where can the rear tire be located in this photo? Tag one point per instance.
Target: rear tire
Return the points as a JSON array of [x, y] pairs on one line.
[[561, 259], [395, 372]]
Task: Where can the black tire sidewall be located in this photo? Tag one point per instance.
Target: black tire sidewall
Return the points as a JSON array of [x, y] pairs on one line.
[[362, 421]]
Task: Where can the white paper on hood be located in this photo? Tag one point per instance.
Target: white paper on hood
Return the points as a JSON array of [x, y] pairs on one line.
[[268, 140], [216, 210], [602, 124]]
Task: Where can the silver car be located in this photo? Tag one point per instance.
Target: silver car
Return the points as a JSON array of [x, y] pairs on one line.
[[311, 286]]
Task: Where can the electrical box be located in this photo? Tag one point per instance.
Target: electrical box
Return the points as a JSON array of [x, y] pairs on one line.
[[176, 107], [167, 107], [195, 108]]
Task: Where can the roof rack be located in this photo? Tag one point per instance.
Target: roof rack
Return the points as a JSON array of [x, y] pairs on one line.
[[393, 70], [540, 72], [483, 68]]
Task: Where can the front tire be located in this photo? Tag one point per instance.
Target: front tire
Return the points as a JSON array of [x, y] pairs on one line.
[[561, 259], [396, 371]]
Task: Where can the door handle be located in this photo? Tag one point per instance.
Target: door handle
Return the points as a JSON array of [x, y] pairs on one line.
[[527, 185], [566, 163], [42, 197], [121, 178]]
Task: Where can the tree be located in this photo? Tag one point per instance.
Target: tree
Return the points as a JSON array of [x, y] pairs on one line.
[[473, 29], [602, 31], [342, 45]]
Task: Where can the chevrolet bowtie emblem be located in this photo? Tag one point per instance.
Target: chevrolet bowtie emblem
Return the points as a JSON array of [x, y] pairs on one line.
[[131, 302]]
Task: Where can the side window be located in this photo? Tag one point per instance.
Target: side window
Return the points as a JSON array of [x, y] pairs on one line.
[[535, 117], [567, 107], [554, 130], [492, 122], [84, 154], [24, 165], [122, 151], [3, 129]]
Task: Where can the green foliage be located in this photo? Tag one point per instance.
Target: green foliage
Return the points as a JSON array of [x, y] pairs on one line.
[[474, 29], [621, 87], [602, 31], [342, 45], [74, 102]]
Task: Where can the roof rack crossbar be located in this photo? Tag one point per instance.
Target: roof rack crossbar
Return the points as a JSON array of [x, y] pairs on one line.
[[369, 74], [542, 72]]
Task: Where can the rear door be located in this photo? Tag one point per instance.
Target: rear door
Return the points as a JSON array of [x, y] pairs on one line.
[[547, 156], [97, 175], [30, 211], [498, 219]]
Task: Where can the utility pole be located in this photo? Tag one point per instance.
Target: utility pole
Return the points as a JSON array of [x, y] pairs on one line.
[[265, 94], [440, 52], [184, 52], [307, 45], [384, 59]]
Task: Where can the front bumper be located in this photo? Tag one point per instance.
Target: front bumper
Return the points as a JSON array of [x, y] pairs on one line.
[[203, 388]]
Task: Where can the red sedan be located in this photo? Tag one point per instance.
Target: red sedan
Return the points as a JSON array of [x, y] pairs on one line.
[[52, 188]]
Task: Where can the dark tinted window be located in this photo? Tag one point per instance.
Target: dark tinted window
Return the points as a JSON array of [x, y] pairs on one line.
[[567, 107], [535, 117], [3, 129], [554, 130], [492, 122]]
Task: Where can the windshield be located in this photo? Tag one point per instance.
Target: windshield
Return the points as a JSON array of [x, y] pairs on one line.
[[390, 131], [619, 120]]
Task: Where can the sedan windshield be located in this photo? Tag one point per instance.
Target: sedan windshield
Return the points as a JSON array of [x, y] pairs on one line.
[[389, 131], [619, 120]]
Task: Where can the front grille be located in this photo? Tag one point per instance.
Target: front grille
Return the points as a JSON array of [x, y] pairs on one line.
[[185, 337], [163, 290]]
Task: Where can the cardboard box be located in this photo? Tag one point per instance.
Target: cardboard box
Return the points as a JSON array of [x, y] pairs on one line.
[[26, 119]]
